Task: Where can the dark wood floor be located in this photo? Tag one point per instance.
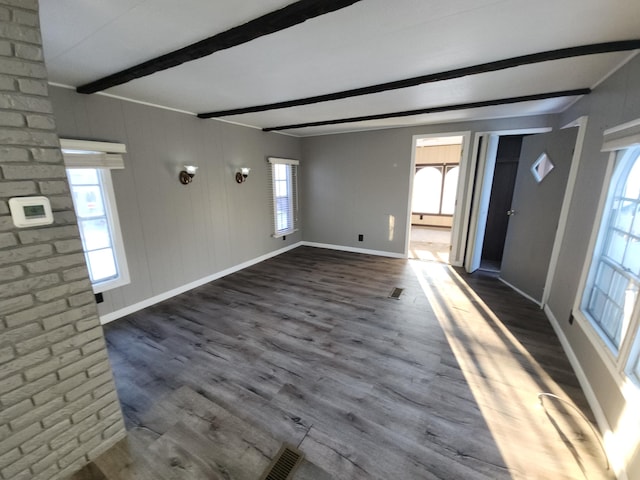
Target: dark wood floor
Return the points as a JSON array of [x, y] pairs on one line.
[[308, 348]]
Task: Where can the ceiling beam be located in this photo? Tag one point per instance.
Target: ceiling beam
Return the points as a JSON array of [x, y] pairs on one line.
[[445, 108], [563, 53], [272, 22]]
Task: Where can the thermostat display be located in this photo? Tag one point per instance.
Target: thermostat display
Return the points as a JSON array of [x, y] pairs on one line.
[[34, 211], [30, 211]]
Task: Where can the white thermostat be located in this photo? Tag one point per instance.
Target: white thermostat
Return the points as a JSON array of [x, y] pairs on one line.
[[30, 211]]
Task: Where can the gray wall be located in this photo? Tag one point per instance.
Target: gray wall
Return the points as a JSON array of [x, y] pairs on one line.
[[58, 405], [352, 182], [176, 234], [614, 102]]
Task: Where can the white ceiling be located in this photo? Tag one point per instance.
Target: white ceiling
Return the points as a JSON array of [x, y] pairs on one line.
[[370, 42]]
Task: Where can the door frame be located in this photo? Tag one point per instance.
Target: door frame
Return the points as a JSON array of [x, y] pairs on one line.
[[581, 123], [488, 151], [479, 191], [458, 230]]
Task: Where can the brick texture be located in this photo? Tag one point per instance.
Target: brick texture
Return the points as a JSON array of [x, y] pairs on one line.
[[58, 404]]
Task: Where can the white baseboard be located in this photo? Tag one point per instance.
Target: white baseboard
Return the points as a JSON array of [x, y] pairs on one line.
[[601, 419], [379, 253], [516, 289], [110, 317]]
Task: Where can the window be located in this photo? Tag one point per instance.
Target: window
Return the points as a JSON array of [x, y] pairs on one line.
[[614, 278], [284, 183], [89, 174], [433, 192], [427, 190], [449, 188], [608, 304]]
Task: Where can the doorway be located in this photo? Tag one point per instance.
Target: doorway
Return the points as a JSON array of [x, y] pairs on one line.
[[538, 209], [504, 179], [435, 183], [483, 162]]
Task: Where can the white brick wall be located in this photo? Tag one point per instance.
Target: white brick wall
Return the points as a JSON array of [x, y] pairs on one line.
[[58, 405]]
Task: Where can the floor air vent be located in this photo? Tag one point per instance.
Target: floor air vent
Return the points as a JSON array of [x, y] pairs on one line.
[[284, 464], [396, 292]]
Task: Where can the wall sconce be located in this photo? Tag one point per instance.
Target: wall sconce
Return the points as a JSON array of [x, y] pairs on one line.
[[242, 175], [186, 175]]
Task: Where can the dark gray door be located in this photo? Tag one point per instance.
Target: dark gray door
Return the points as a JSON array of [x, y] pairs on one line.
[[536, 211], [504, 182]]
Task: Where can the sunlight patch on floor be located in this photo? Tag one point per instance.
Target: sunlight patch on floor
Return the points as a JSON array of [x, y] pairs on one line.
[[429, 252], [505, 379], [622, 443], [430, 244]]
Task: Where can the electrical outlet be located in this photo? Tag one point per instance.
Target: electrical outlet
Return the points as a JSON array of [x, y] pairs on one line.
[[360, 237], [571, 319]]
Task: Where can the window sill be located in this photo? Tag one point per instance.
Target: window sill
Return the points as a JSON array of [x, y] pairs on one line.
[[283, 234], [110, 284], [603, 350]]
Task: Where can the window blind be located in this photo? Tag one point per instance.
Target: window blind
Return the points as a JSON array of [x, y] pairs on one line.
[[283, 176], [89, 154]]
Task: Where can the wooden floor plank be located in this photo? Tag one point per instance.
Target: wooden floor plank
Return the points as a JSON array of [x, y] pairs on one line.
[[307, 347]]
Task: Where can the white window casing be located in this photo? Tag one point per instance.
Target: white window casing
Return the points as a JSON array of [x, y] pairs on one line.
[[89, 154], [622, 136], [607, 304], [283, 176], [614, 274], [103, 246]]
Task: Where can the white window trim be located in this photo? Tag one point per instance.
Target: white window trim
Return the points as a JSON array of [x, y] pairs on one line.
[[103, 156], [286, 161], [622, 136], [92, 146], [615, 139], [633, 351], [116, 233], [295, 209]]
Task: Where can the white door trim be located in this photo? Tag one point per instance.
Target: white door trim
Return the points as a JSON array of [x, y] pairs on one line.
[[471, 210], [458, 230], [581, 123], [482, 193]]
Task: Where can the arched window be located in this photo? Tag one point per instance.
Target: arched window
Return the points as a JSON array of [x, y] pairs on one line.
[[449, 190], [433, 192], [427, 190], [614, 276]]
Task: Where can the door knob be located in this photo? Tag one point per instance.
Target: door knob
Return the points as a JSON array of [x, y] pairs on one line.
[[511, 212]]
